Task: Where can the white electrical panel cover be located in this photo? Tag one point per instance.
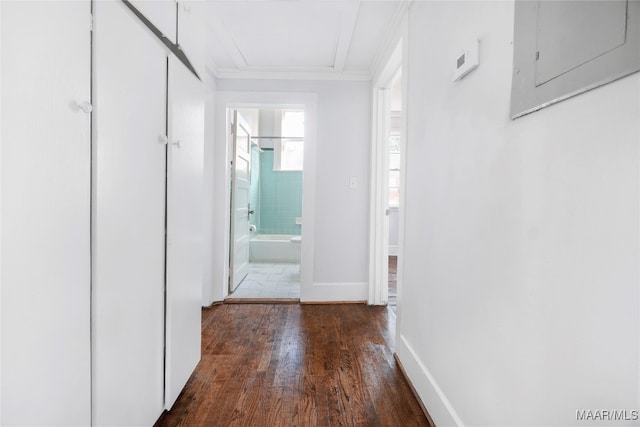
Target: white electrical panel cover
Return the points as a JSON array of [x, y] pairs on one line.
[[564, 48]]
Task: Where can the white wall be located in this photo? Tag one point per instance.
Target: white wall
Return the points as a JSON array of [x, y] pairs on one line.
[[520, 296], [341, 215], [209, 205]]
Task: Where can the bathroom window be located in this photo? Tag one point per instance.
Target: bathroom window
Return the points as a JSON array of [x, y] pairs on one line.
[[290, 152], [394, 171]]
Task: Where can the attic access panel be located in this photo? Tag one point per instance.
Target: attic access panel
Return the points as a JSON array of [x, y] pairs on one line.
[[563, 48]]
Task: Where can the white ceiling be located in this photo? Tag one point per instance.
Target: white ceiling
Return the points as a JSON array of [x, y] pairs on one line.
[[302, 38]]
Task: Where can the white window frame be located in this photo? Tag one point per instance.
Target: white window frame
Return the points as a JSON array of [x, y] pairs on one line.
[[277, 145]]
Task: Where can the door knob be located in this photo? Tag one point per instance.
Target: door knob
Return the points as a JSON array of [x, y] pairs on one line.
[[177, 143], [85, 106], [251, 212]]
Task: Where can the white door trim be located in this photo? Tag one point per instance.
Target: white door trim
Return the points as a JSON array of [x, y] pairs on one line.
[[222, 172], [1, 216], [378, 202], [379, 220]]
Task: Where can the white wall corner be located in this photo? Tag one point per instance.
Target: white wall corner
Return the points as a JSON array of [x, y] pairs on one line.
[[430, 393], [335, 292], [209, 78], [208, 281]]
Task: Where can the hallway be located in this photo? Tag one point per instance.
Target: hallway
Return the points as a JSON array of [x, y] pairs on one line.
[[508, 132], [296, 365]]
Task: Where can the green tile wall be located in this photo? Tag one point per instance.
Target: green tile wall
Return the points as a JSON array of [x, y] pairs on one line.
[[280, 198]]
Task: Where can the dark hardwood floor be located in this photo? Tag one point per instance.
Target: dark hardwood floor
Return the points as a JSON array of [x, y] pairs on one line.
[[393, 282], [296, 365]]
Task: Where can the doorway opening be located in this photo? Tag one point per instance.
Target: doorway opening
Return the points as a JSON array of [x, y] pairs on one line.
[[389, 123], [266, 203], [393, 201], [219, 170]]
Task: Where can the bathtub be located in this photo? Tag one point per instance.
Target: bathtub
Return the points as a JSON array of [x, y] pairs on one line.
[[274, 248]]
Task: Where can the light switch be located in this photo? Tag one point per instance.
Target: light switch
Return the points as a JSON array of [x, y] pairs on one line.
[[353, 182]]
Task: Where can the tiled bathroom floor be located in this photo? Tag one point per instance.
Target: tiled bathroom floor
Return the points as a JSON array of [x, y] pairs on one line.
[[269, 280]]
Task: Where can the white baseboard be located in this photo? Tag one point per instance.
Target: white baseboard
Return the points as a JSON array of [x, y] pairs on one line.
[[335, 292], [437, 404], [393, 250]]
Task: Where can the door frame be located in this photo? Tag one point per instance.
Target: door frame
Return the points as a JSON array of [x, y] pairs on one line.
[[378, 201], [91, 141], [237, 122], [230, 100]]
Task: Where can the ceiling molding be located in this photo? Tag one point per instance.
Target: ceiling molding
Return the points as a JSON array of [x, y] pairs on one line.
[[301, 74], [347, 28], [238, 67], [391, 38], [277, 68]]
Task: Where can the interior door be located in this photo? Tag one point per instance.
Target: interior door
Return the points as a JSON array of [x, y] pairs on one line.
[[240, 184], [184, 228], [130, 89]]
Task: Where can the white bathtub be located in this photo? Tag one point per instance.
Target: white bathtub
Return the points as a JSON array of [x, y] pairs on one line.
[[274, 248]]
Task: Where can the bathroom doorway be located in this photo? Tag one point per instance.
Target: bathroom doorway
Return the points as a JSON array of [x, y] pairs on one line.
[[266, 204]]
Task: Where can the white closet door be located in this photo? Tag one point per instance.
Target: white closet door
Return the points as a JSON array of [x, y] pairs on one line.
[[129, 219], [184, 227], [46, 161]]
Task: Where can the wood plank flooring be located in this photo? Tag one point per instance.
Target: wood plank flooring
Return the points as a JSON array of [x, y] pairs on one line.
[[296, 365], [393, 281]]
